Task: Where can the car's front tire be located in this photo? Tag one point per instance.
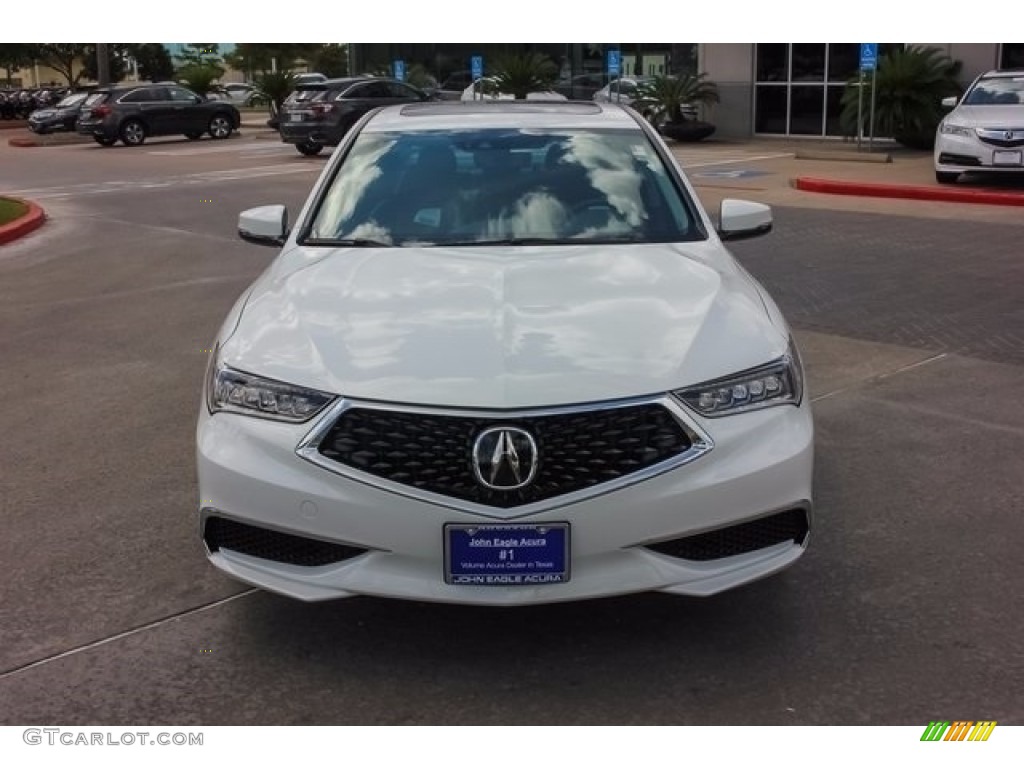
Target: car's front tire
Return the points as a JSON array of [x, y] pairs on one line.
[[309, 148], [220, 127], [133, 133], [946, 177]]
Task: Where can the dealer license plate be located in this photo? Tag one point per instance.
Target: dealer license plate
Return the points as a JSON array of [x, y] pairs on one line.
[[1001, 157], [503, 555]]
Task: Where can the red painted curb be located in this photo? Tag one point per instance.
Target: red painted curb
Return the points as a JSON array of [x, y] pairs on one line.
[[30, 142], [30, 222], [905, 192]]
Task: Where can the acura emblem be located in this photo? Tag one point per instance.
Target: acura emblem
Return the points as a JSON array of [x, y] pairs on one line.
[[1009, 135], [504, 458]]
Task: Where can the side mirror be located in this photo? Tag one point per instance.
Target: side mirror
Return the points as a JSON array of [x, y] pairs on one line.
[[266, 225], [741, 219], [949, 101]]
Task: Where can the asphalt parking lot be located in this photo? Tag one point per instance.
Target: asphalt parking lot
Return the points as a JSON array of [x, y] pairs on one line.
[[906, 607]]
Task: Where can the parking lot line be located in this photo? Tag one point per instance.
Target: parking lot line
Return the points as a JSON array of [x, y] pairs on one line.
[[730, 159], [207, 177], [126, 633], [256, 149]]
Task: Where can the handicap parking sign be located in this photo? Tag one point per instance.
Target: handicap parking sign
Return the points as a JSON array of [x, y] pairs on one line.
[[399, 67], [614, 62], [868, 56], [476, 65]]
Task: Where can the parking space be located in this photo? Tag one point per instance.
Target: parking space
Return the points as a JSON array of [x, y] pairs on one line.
[[902, 610]]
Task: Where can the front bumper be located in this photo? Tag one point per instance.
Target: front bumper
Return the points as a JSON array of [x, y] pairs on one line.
[[955, 153], [249, 472]]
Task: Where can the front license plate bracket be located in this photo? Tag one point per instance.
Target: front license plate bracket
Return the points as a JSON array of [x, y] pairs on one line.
[[506, 554]]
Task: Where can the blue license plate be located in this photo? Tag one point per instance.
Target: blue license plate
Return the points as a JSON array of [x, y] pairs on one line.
[[503, 555]]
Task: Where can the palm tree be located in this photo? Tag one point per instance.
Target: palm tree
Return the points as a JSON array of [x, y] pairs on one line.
[[665, 97], [909, 87], [524, 73], [668, 94]]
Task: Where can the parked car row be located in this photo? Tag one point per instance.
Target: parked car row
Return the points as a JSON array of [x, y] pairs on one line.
[[19, 104], [318, 114], [129, 113]]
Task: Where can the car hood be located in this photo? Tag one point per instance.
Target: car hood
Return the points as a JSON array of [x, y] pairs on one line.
[[989, 116], [42, 114], [505, 327]]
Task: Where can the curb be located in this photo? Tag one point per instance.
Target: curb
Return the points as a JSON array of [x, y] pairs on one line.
[[47, 140], [854, 157], [30, 222], [906, 192]]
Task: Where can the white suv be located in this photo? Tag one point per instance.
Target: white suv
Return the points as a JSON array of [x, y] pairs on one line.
[[986, 130]]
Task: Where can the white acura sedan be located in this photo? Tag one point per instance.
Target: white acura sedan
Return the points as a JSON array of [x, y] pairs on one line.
[[504, 358], [986, 130]]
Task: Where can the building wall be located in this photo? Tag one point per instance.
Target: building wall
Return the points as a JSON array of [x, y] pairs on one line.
[[731, 67], [976, 57]]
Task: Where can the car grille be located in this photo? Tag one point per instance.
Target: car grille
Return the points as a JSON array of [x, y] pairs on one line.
[[791, 525], [575, 450], [1002, 137], [221, 533]]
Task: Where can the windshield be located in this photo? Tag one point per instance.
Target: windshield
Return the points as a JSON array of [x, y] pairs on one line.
[[306, 95], [503, 185], [72, 100], [997, 90]]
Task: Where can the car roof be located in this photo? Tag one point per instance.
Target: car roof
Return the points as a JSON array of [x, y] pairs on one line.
[[1004, 73], [450, 115], [347, 82]]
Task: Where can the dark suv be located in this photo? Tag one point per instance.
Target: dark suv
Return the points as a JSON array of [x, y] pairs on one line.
[[132, 113], [319, 115]]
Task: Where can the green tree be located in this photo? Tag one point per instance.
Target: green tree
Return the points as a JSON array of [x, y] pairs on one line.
[[62, 58], [524, 73], [153, 60], [200, 53], [200, 76], [14, 56], [262, 57], [909, 87], [275, 88], [329, 58], [117, 60], [667, 95]]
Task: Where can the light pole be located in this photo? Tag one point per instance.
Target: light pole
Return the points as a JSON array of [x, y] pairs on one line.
[[102, 65]]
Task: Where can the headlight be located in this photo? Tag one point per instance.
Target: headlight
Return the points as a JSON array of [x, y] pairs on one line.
[[238, 392], [777, 383], [956, 130]]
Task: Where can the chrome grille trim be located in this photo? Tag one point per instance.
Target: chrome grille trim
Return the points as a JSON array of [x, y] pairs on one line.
[[1001, 137], [308, 449]]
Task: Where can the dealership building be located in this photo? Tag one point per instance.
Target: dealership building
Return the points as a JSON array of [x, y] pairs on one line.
[[780, 89]]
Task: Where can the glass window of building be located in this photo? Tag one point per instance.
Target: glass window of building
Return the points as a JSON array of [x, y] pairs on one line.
[[1011, 56], [799, 87]]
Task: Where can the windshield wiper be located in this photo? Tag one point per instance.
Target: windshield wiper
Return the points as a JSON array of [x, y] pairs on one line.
[[352, 242]]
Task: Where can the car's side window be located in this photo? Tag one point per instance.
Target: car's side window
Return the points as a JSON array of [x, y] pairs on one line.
[[180, 94], [399, 91], [360, 92], [139, 96]]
